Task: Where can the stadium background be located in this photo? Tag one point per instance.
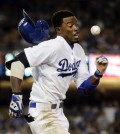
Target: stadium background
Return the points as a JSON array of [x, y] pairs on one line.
[[97, 114]]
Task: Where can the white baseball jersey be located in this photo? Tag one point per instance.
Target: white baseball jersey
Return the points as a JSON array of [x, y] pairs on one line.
[[55, 64]]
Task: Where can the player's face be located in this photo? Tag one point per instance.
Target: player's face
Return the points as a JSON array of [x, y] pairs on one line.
[[70, 29]]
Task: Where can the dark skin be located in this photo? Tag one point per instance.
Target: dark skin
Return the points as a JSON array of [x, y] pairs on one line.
[[69, 30], [15, 84]]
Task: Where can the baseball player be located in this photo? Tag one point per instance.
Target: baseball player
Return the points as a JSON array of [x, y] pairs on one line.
[[55, 63]]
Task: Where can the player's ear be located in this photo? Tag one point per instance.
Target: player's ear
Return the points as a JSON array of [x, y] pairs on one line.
[[58, 30]]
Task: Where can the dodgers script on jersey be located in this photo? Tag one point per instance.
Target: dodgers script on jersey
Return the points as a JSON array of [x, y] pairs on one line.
[[55, 64]]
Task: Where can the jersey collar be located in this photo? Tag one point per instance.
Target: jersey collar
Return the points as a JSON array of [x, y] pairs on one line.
[[65, 42]]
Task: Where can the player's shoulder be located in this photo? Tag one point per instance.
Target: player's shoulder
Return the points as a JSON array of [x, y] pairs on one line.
[[52, 45], [78, 47], [50, 42]]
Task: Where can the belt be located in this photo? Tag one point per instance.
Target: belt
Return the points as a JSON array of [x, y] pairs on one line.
[[46, 105]]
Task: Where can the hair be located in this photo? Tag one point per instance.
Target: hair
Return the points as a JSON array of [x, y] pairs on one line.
[[58, 16]]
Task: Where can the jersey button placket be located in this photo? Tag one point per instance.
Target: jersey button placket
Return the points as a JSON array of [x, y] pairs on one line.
[[73, 57]]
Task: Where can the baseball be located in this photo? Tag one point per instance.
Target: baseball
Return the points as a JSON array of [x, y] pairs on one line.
[[95, 30]]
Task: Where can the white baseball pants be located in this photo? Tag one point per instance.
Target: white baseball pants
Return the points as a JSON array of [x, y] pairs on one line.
[[47, 120]]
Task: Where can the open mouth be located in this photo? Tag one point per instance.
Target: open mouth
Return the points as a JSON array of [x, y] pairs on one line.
[[76, 36]]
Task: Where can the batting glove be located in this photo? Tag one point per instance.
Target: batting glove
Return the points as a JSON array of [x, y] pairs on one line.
[[16, 106]]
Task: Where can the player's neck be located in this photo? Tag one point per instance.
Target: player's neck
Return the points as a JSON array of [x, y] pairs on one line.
[[71, 45]]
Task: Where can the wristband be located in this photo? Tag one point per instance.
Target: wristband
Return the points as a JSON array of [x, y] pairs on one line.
[[97, 74]]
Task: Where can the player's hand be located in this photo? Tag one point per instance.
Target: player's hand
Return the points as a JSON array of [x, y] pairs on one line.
[[16, 106], [101, 64]]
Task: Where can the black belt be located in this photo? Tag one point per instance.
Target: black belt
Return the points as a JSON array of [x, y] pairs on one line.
[[29, 118]]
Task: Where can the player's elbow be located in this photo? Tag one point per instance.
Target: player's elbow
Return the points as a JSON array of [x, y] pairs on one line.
[[8, 63], [86, 88], [17, 69]]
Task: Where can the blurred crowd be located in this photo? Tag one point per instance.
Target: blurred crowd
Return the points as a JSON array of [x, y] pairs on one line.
[[95, 120], [103, 13], [104, 119]]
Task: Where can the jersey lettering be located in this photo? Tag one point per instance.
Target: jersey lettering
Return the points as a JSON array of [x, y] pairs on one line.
[[67, 69]]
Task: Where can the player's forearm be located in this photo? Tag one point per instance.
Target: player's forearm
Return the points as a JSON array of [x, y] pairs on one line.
[[90, 84], [17, 72], [15, 84], [94, 81]]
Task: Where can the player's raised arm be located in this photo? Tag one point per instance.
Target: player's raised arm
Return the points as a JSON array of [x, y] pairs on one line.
[[92, 82]]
